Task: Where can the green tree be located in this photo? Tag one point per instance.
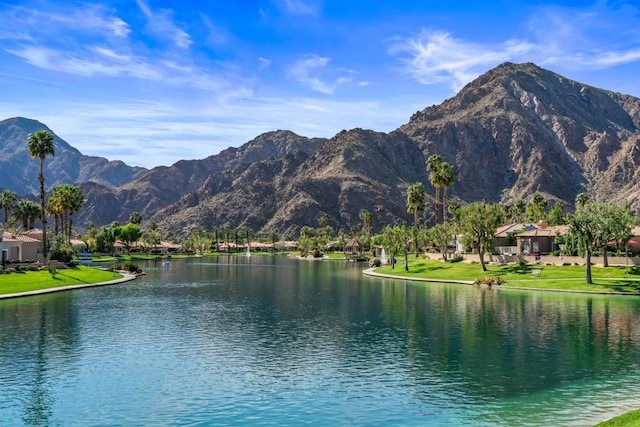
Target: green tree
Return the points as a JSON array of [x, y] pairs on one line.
[[8, 200], [582, 199], [107, 236], [479, 222], [129, 234], [392, 243], [135, 218], [434, 163], [556, 215], [520, 208], [584, 226], [416, 198], [367, 220], [41, 145], [447, 179], [442, 235], [26, 211], [64, 201], [537, 206]]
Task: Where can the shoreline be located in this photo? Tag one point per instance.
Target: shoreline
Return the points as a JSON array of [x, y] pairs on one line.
[[371, 272], [127, 277]]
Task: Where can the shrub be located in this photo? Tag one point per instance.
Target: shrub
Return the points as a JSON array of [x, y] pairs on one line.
[[375, 262], [30, 267], [489, 281], [132, 267], [457, 258], [566, 264], [53, 269]]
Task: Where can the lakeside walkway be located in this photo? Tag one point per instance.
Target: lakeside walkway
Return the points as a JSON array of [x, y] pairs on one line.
[[127, 278]]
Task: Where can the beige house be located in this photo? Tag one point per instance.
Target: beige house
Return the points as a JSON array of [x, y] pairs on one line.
[[20, 247], [540, 241]]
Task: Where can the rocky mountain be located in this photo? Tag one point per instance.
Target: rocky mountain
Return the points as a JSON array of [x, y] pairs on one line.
[[168, 189], [358, 169], [519, 128], [19, 173], [515, 130]]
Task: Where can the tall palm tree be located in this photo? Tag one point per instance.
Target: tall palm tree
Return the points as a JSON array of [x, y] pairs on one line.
[[33, 213], [72, 201], [433, 167], [8, 200], [21, 212], [367, 219], [447, 179], [41, 145], [416, 198], [54, 208]]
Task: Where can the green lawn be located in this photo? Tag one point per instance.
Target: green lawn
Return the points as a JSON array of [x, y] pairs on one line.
[[630, 419], [570, 278], [34, 280]]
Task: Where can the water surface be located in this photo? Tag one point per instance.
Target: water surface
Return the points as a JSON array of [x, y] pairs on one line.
[[267, 340]]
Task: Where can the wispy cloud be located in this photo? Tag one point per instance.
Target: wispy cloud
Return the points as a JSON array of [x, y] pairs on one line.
[[315, 72], [300, 7], [160, 23], [437, 57], [564, 37], [91, 41]]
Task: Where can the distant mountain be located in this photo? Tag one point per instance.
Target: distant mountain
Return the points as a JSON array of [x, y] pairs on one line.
[[164, 189], [519, 128], [19, 173], [514, 130]]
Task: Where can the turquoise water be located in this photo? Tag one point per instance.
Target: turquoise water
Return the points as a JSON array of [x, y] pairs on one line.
[[267, 340]]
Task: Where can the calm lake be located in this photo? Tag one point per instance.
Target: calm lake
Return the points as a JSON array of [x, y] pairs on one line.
[[267, 340]]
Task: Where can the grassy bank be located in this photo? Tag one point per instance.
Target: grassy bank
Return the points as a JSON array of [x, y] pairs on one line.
[[630, 419], [566, 278], [36, 280]]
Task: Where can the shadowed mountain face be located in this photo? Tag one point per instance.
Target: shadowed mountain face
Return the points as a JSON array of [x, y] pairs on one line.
[[515, 130], [19, 173]]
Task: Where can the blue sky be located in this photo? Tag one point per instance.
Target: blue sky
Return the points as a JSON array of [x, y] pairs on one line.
[[151, 82]]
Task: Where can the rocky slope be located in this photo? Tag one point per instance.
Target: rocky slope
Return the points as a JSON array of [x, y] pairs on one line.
[[165, 191], [19, 173], [515, 130], [519, 128]]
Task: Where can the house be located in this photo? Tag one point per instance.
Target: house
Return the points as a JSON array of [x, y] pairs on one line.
[[505, 242], [541, 240], [20, 248]]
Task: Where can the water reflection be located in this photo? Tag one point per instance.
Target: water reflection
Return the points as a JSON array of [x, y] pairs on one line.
[[269, 340], [36, 337]]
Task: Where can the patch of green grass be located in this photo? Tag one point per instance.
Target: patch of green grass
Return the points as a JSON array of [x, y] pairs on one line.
[[567, 278], [35, 280], [630, 419]]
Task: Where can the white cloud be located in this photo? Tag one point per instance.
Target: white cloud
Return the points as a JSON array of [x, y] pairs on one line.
[[314, 72], [160, 23], [436, 57], [597, 37]]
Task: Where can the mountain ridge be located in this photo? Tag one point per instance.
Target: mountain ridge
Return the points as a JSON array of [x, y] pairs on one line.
[[515, 130]]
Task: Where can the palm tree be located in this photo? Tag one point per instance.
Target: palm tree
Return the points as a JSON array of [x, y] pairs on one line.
[[33, 213], [447, 179], [367, 218], [135, 218], [582, 199], [54, 208], [73, 203], [433, 167], [416, 198], [8, 200], [21, 212], [41, 145]]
